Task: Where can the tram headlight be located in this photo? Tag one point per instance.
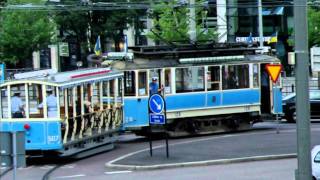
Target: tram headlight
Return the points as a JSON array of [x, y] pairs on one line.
[[27, 127]]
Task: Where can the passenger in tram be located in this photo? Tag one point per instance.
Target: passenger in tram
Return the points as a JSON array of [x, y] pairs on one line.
[[233, 82], [17, 107], [51, 104], [154, 86]]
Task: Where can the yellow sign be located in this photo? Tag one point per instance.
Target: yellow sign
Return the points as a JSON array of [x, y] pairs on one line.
[[274, 71]]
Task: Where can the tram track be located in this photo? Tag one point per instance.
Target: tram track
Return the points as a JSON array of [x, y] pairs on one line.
[[46, 176], [5, 172]]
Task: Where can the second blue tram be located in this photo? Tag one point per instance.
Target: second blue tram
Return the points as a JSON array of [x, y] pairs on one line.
[[206, 90], [69, 120]]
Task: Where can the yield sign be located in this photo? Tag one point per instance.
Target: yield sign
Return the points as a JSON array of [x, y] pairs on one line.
[[274, 71]]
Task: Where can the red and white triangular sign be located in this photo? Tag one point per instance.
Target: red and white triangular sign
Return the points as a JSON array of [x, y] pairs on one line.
[[274, 71]]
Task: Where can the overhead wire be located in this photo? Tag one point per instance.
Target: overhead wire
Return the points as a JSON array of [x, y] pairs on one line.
[[51, 6]]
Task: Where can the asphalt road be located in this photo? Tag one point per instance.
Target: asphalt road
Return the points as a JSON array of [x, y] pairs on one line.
[[94, 167]]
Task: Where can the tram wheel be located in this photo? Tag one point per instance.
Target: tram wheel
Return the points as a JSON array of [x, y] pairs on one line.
[[186, 126]]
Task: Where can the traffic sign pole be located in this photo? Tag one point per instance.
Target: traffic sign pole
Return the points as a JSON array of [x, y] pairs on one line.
[[302, 88], [157, 116]]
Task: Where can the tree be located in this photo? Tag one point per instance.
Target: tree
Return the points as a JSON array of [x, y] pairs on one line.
[[108, 24], [22, 32], [171, 23], [313, 26]]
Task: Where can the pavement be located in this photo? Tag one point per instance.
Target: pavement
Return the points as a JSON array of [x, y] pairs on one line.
[[263, 143]]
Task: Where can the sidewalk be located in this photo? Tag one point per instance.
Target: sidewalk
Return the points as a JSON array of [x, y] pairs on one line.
[[238, 147]]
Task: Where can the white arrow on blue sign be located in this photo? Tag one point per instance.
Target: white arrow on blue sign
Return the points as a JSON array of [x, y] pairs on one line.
[[156, 104]]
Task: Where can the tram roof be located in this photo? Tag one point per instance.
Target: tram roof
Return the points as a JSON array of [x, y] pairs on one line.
[[69, 78], [144, 63]]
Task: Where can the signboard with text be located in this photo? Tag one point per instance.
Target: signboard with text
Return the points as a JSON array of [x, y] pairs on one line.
[[2, 73]]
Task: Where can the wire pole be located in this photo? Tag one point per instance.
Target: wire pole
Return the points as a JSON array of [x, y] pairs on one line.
[[302, 90], [260, 23], [192, 22]]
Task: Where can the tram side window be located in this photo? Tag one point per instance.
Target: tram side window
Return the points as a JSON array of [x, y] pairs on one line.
[[213, 78], [167, 81], [4, 103], [129, 83], [235, 76], [189, 79], [142, 85], [255, 76], [119, 97], [155, 73]]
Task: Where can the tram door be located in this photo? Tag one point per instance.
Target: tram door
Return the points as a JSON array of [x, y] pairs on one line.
[[265, 90], [271, 96]]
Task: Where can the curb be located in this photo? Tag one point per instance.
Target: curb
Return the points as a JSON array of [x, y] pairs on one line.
[[200, 163]]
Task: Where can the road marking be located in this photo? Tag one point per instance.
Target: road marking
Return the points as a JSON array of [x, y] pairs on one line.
[[25, 168], [72, 176], [47, 167], [199, 140], [117, 172], [68, 166], [2, 168]]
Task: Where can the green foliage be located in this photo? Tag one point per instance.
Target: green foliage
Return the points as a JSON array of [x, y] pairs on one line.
[[108, 24], [171, 23], [313, 26], [23, 32]]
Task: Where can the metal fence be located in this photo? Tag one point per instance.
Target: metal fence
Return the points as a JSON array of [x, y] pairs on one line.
[[289, 85]]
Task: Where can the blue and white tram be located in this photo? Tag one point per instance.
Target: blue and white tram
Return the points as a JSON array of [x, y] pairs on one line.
[[203, 93], [81, 122]]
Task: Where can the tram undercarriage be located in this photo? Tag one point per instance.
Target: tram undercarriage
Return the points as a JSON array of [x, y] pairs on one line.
[[207, 125]]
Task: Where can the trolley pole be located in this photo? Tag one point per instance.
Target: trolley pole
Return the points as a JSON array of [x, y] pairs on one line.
[[302, 90]]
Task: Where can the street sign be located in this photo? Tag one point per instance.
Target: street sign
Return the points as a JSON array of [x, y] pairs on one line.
[[64, 49], [274, 71], [157, 119], [156, 104]]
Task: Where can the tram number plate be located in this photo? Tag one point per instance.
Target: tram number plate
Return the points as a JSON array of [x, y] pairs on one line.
[[53, 138]]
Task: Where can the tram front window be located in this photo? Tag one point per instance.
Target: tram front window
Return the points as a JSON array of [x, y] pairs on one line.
[[35, 98], [17, 101]]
